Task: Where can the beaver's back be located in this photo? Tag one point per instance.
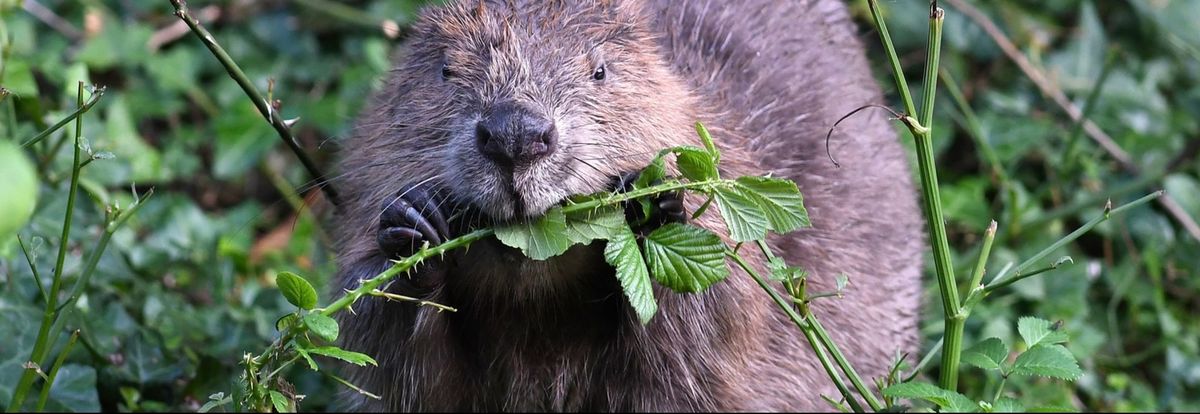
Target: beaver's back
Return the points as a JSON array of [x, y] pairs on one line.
[[775, 76]]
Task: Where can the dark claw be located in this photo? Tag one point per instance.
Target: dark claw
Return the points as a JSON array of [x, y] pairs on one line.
[[410, 220], [665, 207]]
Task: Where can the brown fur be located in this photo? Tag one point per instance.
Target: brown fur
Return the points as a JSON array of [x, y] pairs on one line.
[[768, 78]]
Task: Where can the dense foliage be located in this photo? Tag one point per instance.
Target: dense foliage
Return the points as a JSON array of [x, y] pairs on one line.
[[188, 283]]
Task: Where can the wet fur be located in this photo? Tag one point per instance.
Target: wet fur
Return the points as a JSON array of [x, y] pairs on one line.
[[768, 78]]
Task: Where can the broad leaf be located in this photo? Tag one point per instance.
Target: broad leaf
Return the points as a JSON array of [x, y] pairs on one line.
[[1053, 361], [324, 326], [1037, 331], [541, 239], [989, 354], [695, 164], [685, 258], [622, 253], [746, 221], [74, 390], [281, 403], [349, 356], [600, 224], [948, 400], [297, 290], [653, 172], [780, 199]]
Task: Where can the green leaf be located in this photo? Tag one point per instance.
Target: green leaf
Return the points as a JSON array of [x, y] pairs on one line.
[[781, 201], [946, 399], [745, 219], [280, 402], [539, 240], [780, 271], [653, 172], [706, 138], [214, 401], [1007, 405], [324, 326], [1037, 331], [686, 258], [297, 290], [989, 354], [74, 390], [307, 358], [1053, 361], [695, 164], [600, 224], [635, 280], [622, 253], [349, 356]]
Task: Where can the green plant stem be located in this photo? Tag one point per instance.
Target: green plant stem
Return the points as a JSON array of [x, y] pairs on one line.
[[43, 342], [1018, 274], [264, 106], [1091, 201], [62, 357], [844, 364], [989, 236], [893, 58], [37, 277], [1000, 389], [99, 92], [807, 330]]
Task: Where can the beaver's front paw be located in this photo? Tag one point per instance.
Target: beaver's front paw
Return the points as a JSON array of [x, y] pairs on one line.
[[664, 207], [408, 221]]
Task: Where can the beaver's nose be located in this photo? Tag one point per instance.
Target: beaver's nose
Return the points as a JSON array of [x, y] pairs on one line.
[[512, 135]]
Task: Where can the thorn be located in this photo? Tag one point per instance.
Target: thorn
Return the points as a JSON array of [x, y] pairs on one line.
[[289, 122]]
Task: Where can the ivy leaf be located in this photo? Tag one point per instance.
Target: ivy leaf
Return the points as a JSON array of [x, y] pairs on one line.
[[745, 219], [281, 403], [349, 356], [1036, 331], [324, 326], [600, 224], [541, 239], [297, 290], [989, 354], [947, 400], [695, 164], [1053, 361], [622, 253], [1008, 405], [780, 199], [685, 258]]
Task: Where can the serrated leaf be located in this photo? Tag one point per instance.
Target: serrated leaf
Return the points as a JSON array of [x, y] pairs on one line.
[[988, 354], [324, 326], [600, 224], [1036, 331], [280, 402], [695, 164], [296, 290], [541, 239], [948, 400], [743, 216], [349, 356], [1007, 405], [307, 358], [706, 138], [685, 258], [1053, 361], [779, 199], [655, 171], [623, 254]]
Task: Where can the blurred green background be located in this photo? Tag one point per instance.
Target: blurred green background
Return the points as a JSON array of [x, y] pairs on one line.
[[186, 288]]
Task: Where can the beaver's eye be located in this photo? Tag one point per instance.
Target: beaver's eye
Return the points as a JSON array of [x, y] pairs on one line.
[[446, 72], [599, 73]]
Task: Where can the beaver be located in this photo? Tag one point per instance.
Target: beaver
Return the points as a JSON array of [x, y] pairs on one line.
[[497, 110]]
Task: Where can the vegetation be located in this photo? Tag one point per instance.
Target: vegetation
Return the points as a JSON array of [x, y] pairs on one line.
[[158, 302]]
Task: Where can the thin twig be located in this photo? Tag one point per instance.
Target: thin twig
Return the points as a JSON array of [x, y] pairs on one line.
[[178, 29], [52, 19], [1055, 94], [264, 107]]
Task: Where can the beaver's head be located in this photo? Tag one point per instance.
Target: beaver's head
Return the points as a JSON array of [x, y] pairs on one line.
[[510, 106]]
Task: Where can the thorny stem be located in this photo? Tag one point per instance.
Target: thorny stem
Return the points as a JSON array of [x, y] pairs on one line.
[[62, 357], [264, 107], [96, 95], [43, 342]]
